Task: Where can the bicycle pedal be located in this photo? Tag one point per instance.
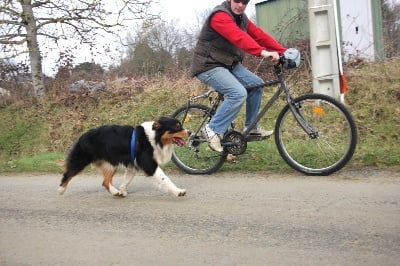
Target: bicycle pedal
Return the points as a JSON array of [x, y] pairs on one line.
[[256, 137]]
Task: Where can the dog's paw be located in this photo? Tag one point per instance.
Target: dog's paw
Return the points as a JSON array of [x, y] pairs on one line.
[[115, 192], [61, 190], [122, 193], [181, 192], [119, 193]]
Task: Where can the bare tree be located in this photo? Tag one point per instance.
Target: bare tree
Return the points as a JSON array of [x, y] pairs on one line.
[[22, 22], [391, 27], [155, 49]]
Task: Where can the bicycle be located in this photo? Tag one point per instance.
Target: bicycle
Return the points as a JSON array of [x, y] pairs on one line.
[[315, 134]]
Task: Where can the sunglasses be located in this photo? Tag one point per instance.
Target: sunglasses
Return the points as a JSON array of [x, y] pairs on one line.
[[244, 2]]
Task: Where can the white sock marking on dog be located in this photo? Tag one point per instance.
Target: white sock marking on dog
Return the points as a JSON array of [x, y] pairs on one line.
[[164, 181], [113, 190], [128, 177]]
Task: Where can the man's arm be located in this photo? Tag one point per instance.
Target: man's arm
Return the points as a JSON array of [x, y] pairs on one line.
[[254, 41]]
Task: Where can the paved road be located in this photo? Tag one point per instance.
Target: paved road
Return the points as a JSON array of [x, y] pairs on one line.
[[350, 218]]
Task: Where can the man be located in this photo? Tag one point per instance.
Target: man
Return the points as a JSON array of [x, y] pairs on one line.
[[224, 38]]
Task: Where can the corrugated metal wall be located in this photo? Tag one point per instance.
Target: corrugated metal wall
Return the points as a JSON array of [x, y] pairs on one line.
[[378, 29], [286, 20]]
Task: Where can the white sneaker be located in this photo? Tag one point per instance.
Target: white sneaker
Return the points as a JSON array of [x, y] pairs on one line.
[[214, 140], [259, 131]]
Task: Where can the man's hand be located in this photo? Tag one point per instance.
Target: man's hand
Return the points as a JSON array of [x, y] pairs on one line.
[[273, 55]]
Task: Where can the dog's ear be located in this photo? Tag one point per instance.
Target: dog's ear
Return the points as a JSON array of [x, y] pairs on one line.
[[166, 121], [160, 122], [178, 125], [156, 125]]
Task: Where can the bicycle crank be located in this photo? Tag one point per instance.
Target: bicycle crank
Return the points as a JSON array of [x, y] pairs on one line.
[[234, 142]]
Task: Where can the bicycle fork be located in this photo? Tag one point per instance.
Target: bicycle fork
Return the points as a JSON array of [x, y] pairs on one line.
[[301, 120]]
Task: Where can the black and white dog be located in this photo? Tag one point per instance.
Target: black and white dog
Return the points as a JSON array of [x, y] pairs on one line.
[[145, 147]]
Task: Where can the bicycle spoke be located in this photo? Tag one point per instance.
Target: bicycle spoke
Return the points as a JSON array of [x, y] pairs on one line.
[[196, 157], [335, 138]]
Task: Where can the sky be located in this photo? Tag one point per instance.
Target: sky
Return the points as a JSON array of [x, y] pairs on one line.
[[186, 10]]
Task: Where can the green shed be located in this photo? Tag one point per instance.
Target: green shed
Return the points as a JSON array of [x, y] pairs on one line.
[[286, 20]]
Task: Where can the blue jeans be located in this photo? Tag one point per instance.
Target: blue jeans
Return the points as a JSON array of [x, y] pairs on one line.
[[232, 83]]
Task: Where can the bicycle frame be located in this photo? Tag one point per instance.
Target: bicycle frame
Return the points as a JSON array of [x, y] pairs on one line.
[[282, 89]]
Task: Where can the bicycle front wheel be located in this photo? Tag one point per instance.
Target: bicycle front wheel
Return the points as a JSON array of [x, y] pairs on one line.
[[196, 157], [332, 143]]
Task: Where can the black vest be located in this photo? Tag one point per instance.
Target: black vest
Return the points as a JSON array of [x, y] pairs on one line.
[[212, 49]]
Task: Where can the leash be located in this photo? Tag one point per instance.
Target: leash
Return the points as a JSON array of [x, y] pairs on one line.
[[133, 144]]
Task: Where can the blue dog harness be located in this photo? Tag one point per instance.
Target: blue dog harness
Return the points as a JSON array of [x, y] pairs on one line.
[[133, 144]]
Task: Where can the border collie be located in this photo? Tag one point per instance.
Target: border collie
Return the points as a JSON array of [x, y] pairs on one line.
[[145, 147]]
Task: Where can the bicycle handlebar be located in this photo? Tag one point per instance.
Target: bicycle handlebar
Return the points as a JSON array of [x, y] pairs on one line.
[[290, 58], [286, 63]]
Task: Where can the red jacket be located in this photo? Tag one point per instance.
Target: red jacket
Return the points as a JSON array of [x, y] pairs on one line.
[[253, 41]]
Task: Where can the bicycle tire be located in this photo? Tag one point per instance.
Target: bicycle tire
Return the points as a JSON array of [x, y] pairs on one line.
[[196, 157], [335, 144]]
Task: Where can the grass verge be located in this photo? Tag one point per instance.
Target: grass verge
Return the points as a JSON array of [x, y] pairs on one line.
[[36, 136]]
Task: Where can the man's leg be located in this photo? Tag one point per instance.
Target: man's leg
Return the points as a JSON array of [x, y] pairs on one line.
[[253, 101], [222, 80]]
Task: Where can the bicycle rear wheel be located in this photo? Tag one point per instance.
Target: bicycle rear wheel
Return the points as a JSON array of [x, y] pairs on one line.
[[196, 157], [333, 144]]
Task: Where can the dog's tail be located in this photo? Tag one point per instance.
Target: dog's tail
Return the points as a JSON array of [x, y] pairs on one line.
[[77, 159]]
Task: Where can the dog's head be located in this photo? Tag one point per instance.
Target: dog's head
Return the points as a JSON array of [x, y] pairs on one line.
[[169, 131]]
